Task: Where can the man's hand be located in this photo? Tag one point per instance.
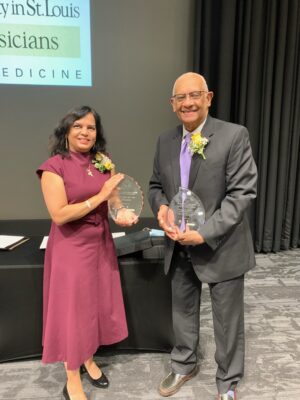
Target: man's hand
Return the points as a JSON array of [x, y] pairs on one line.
[[189, 238], [162, 217]]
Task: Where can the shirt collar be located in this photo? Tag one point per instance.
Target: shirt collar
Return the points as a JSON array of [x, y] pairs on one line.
[[198, 129]]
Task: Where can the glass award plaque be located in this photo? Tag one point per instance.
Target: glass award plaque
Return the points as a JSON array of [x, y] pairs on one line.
[[186, 211], [126, 204]]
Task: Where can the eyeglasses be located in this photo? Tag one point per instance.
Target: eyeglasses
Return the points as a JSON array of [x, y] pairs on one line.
[[179, 98]]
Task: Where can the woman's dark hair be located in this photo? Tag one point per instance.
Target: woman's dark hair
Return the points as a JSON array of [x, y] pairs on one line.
[[58, 142]]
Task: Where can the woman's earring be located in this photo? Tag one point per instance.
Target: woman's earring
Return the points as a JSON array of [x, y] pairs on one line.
[[67, 144]]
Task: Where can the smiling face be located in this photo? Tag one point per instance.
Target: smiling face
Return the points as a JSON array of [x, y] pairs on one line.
[[191, 100], [82, 134]]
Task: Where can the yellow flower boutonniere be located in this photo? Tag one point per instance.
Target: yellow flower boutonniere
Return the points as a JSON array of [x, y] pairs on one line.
[[197, 144], [102, 163]]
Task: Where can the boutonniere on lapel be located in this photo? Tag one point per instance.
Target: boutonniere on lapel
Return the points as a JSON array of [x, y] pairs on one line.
[[102, 163], [197, 144]]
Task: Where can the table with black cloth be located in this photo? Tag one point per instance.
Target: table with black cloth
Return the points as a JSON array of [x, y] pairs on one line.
[[146, 290]]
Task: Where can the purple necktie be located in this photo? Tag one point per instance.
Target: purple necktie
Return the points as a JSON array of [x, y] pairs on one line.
[[185, 164], [185, 161]]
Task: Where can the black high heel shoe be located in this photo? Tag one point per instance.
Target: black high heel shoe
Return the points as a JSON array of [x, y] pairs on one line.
[[65, 393], [101, 382]]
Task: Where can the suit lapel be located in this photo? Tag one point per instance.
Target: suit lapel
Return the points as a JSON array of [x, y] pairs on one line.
[[175, 154], [197, 160]]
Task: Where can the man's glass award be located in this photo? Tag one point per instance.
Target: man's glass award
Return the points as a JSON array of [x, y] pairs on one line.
[[127, 201], [186, 211]]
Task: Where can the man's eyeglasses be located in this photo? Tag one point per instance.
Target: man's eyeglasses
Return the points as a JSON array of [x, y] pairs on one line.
[[179, 98]]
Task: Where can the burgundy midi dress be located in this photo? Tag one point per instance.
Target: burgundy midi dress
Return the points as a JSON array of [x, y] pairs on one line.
[[83, 305]]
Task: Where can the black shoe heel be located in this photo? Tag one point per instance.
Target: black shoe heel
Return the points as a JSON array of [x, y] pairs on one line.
[[65, 393], [101, 383]]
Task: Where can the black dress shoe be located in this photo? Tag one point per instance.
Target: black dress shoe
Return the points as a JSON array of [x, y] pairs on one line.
[[173, 382], [101, 382], [65, 393]]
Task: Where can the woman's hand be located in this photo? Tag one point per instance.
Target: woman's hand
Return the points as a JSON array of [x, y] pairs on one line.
[[126, 217], [110, 186]]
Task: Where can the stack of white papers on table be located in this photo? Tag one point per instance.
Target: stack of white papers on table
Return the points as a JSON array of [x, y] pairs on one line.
[[43, 245], [9, 242], [117, 234]]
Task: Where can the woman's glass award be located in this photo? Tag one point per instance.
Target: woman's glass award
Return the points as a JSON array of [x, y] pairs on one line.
[[127, 201], [186, 211]]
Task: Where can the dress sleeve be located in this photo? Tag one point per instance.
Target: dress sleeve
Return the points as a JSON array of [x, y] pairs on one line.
[[53, 164]]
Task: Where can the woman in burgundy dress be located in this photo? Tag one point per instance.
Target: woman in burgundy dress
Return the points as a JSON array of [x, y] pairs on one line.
[[83, 304]]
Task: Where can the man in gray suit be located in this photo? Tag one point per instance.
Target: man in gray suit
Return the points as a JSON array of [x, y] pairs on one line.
[[223, 175]]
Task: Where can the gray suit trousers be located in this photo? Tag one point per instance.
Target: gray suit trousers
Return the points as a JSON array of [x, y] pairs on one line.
[[227, 299]]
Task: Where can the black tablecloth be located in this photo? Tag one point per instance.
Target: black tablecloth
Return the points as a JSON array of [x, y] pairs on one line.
[[147, 296]]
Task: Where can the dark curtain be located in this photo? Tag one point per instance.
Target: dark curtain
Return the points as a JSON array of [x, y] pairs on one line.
[[248, 52]]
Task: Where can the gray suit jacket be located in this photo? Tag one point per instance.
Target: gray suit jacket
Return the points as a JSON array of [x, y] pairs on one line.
[[226, 183]]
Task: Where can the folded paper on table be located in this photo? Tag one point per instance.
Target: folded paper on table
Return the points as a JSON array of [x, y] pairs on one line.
[[9, 242]]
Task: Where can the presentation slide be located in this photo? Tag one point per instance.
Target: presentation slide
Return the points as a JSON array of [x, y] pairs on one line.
[[45, 42]]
